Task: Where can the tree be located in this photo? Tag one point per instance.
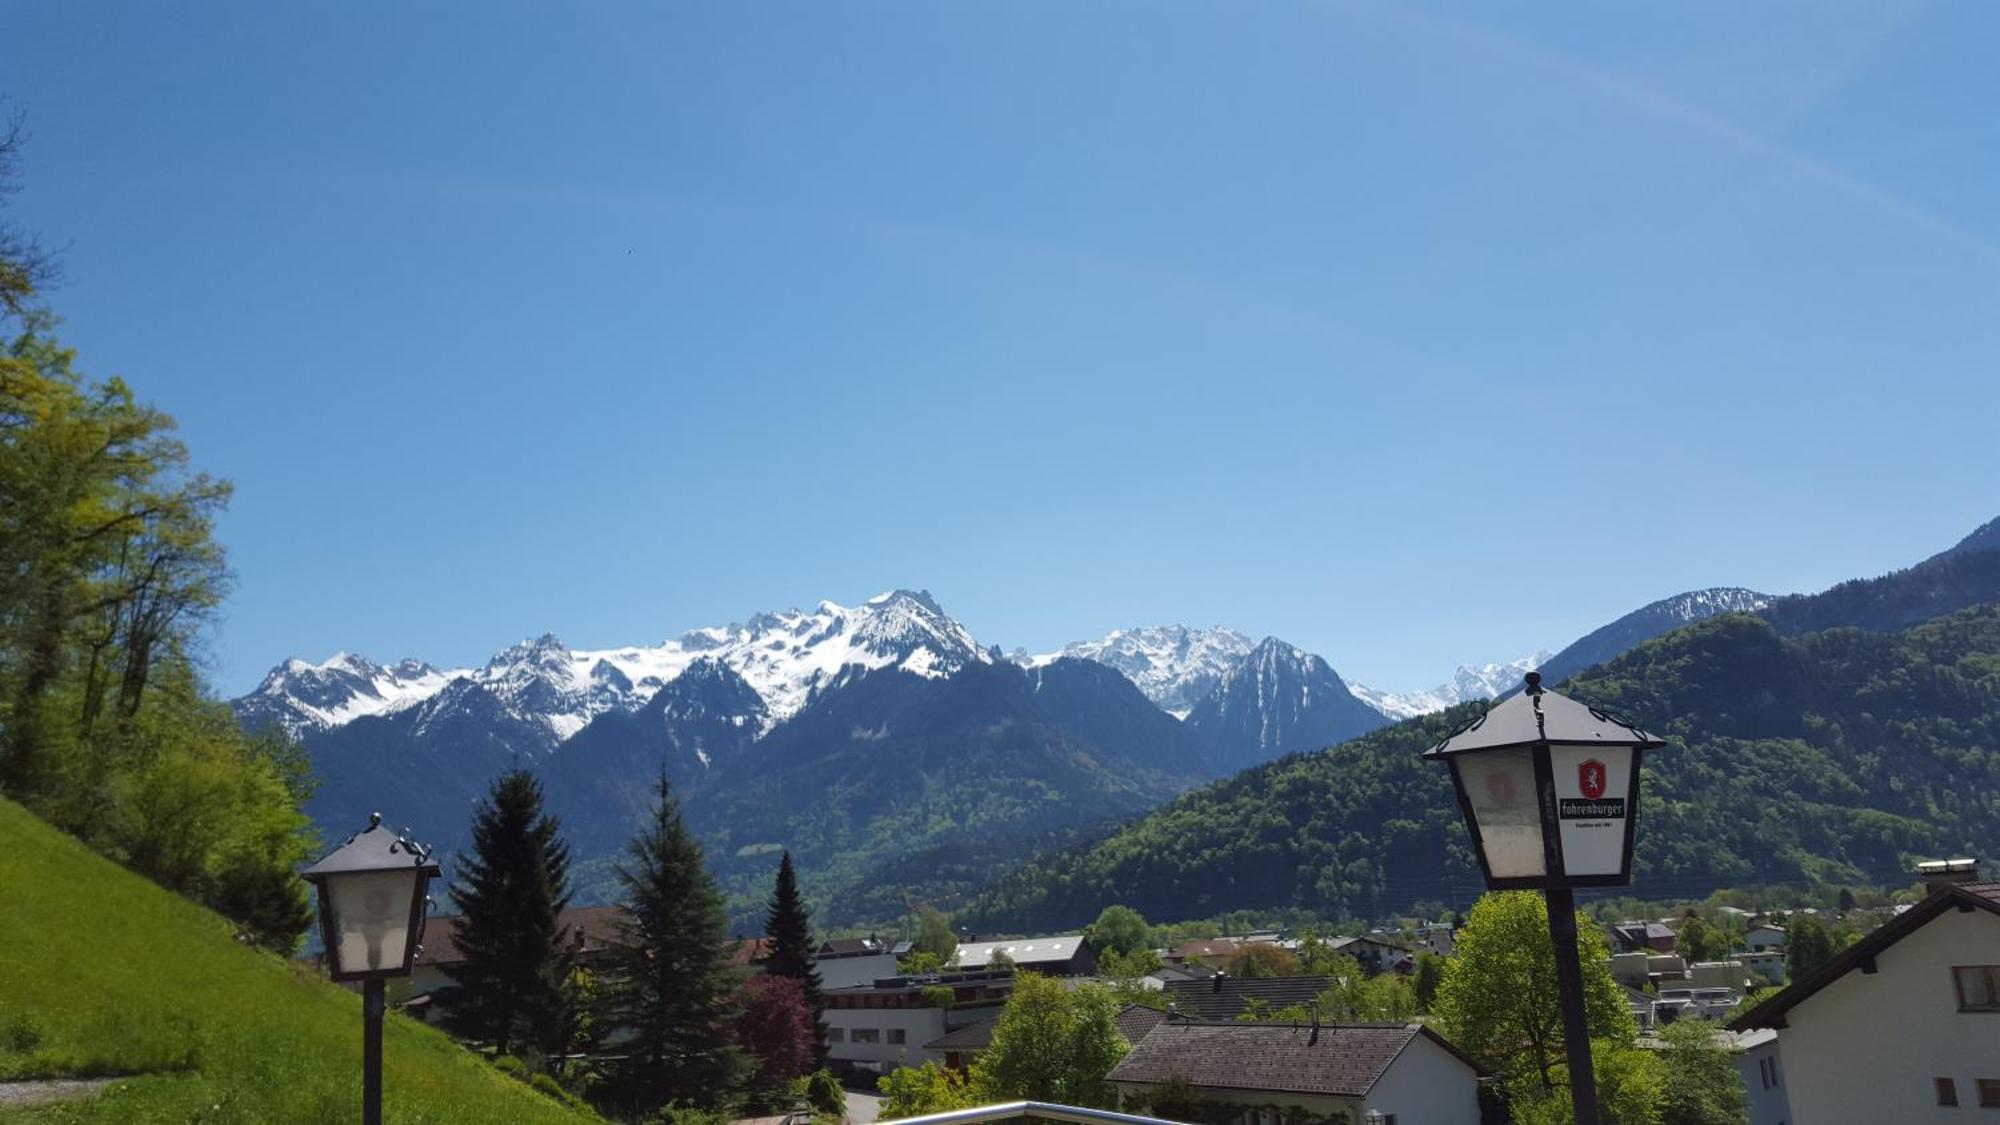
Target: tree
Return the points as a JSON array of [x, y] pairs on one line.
[[792, 949], [1263, 959], [1424, 980], [911, 1091], [1628, 1089], [672, 993], [824, 1094], [1846, 900], [776, 1029], [1120, 929], [510, 988], [1807, 945], [1698, 1080], [1498, 999], [1698, 941], [934, 935], [1052, 1044], [25, 266]]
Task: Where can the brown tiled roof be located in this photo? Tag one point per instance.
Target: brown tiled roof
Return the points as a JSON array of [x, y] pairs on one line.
[[1339, 1060], [598, 925], [1203, 999], [1214, 947], [745, 952], [1134, 1021], [1963, 896]]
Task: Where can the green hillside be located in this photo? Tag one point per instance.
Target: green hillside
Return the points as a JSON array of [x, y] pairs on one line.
[[1831, 757], [102, 972]]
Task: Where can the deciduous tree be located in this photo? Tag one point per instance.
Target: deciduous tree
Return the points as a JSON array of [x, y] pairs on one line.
[[1052, 1044]]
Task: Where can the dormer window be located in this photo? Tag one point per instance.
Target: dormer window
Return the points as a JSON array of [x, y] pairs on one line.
[[1978, 987]]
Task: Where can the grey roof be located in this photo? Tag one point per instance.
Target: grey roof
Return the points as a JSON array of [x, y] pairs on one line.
[[1022, 951], [374, 848], [1225, 999], [1540, 715], [1340, 1060]]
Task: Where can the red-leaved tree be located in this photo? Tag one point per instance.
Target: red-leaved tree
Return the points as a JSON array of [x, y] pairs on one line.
[[776, 1027]]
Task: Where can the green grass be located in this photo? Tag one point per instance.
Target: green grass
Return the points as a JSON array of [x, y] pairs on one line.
[[104, 973]]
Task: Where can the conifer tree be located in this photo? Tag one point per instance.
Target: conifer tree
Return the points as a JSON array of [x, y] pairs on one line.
[[672, 991], [512, 989], [791, 953]]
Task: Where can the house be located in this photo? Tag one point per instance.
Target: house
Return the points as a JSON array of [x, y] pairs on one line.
[[1641, 1004], [1287, 1071], [877, 1027], [960, 1047], [1223, 997], [854, 962], [748, 955], [1438, 937], [1642, 937], [591, 931], [1769, 964], [1376, 955], [1765, 938], [1904, 1025], [1065, 955], [1212, 951], [1158, 978], [1755, 1056]]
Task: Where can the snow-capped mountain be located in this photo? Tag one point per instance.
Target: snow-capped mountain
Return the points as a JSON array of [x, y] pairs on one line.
[[1484, 681], [300, 696], [1175, 666], [1647, 622], [1276, 700], [784, 657]]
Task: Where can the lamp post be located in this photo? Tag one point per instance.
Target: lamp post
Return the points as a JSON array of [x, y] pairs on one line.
[[1549, 789], [371, 917]]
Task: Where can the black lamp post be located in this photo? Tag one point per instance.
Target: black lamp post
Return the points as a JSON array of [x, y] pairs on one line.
[[371, 917], [1549, 789]]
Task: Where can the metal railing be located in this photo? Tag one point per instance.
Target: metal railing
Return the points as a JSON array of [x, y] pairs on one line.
[[1005, 1110]]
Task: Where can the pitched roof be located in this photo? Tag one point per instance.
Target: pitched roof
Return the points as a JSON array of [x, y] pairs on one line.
[[599, 927], [745, 952], [1022, 951], [1134, 1021], [1225, 999], [1963, 896], [1206, 947], [1341, 1060], [852, 947]]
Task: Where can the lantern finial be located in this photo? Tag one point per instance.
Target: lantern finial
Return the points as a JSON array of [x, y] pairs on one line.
[[1534, 683], [374, 820]]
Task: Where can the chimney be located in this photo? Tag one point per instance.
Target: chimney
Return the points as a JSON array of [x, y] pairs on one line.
[[1217, 979], [1938, 874]]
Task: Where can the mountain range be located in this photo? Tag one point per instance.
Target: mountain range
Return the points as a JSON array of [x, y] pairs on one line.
[[881, 743]]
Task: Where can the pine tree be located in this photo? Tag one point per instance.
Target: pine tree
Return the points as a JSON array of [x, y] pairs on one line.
[[512, 989], [673, 992], [792, 948]]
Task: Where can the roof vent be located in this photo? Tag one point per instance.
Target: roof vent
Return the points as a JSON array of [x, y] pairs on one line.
[[1938, 874], [1217, 980]]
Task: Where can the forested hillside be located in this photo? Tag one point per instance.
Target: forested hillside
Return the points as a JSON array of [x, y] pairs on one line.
[[1834, 756]]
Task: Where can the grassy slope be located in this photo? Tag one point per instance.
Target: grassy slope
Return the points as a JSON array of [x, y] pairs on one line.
[[118, 975]]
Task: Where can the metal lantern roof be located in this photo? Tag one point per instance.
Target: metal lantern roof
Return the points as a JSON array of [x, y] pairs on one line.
[[1537, 715], [374, 848]]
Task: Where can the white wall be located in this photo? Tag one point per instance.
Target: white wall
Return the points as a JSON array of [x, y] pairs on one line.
[[1866, 1047], [918, 1025], [1426, 1085], [855, 972], [1767, 1107]]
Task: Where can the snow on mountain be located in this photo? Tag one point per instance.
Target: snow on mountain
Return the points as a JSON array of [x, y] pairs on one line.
[[1484, 681], [1277, 699], [783, 656], [1174, 666], [302, 696]]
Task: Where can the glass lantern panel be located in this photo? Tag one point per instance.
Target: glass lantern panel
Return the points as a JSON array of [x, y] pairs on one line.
[[1593, 786], [371, 918], [1500, 784]]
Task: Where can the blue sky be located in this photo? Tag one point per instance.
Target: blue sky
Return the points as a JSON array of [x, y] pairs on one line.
[[1407, 334]]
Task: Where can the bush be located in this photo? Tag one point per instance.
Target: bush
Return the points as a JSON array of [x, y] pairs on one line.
[[825, 1095], [20, 1034], [938, 996]]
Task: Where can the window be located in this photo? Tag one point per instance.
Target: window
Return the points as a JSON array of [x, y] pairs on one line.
[[867, 1035], [1947, 1091], [1989, 1093], [836, 1034], [896, 1035], [1978, 987], [1767, 1073]]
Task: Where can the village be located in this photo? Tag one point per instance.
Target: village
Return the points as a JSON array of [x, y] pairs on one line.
[[1260, 1028]]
